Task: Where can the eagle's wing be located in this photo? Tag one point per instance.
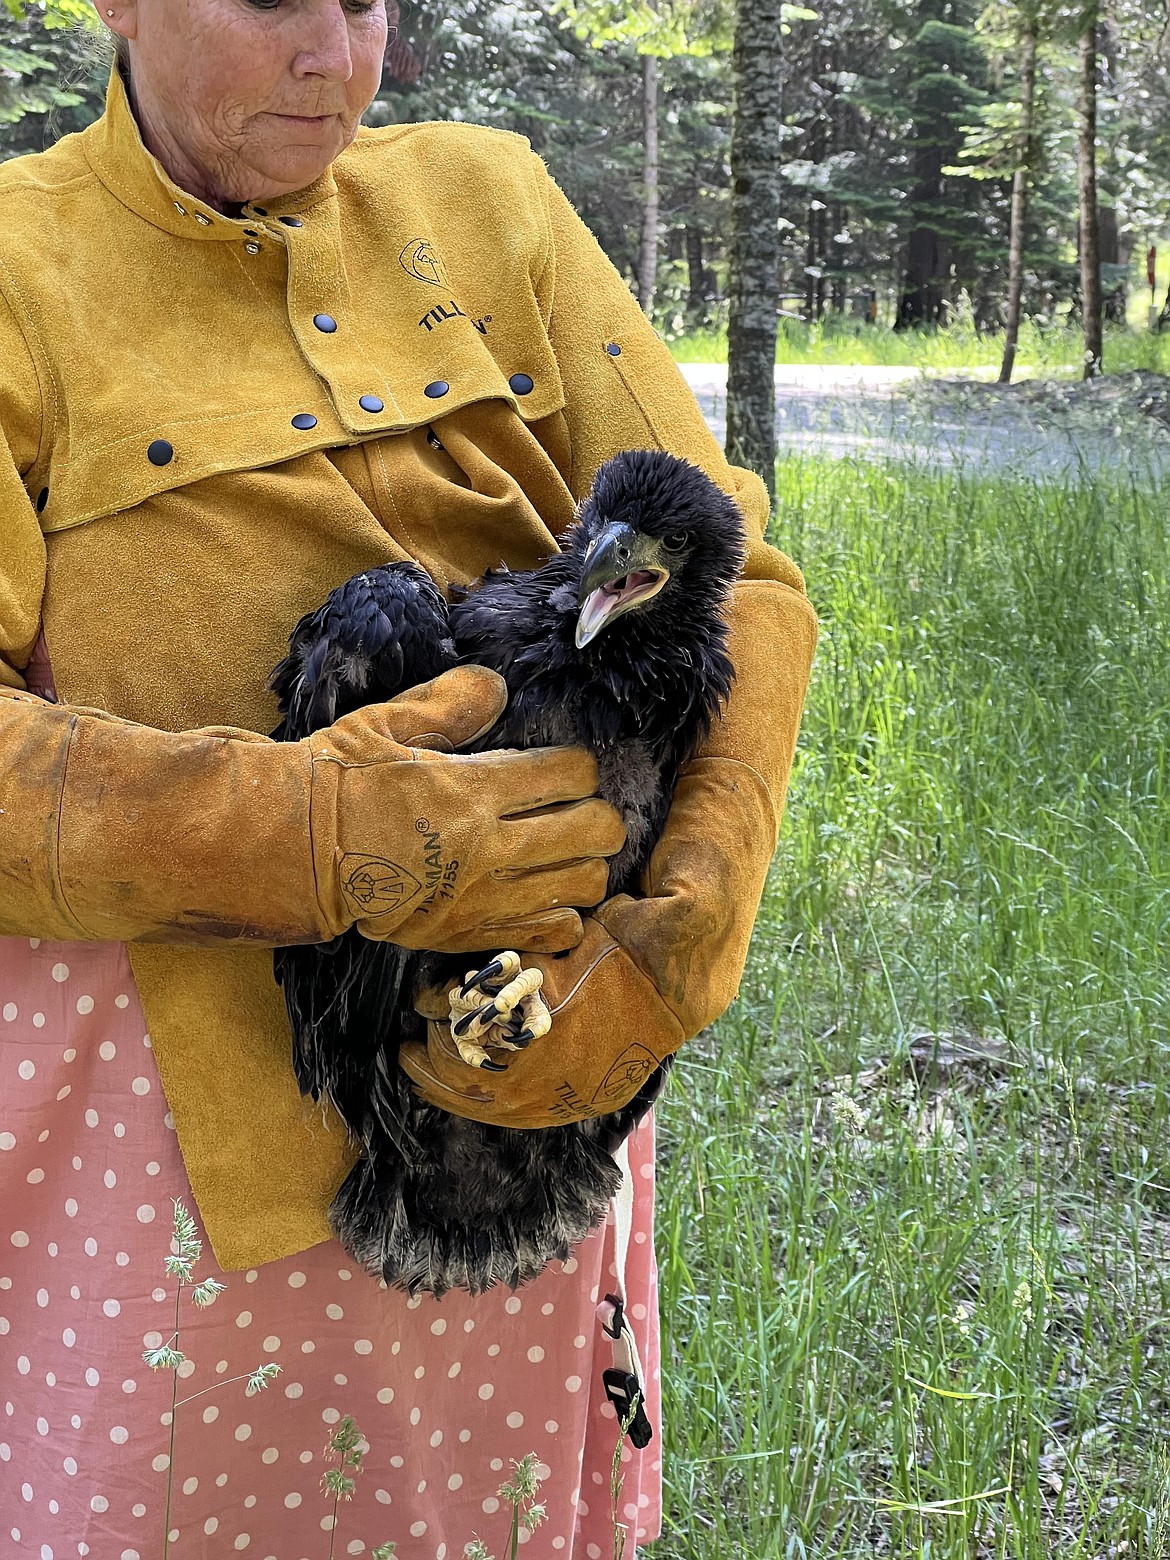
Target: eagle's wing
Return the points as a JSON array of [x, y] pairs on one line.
[[348, 1000]]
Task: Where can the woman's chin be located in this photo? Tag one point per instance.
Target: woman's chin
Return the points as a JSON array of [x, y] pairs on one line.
[[299, 161]]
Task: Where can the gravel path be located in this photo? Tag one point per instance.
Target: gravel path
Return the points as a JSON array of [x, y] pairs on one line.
[[1052, 428]]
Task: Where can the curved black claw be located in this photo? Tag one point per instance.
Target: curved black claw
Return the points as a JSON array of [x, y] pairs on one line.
[[490, 1066], [489, 972], [462, 1025]]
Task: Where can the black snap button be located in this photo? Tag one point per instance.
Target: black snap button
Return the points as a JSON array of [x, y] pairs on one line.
[[291, 221], [433, 439], [613, 349], [325, 322], [42, 500], [520, 384], [436, 388], [370, 403], [304, 420], [160, 453]]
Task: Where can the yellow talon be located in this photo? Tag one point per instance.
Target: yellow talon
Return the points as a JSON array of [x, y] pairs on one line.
[[494, 1015]]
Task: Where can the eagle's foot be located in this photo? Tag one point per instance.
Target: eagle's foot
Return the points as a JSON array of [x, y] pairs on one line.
[[498, 1007]]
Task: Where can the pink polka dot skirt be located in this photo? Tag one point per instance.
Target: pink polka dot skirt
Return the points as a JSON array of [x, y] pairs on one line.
[[446, 1392]]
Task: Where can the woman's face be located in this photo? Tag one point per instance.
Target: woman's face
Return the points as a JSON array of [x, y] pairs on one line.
[[249, 99]]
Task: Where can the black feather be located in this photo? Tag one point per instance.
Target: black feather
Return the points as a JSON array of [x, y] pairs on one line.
[[436, 1201]]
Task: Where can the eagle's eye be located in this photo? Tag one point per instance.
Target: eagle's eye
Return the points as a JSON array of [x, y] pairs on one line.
[[676, 541]]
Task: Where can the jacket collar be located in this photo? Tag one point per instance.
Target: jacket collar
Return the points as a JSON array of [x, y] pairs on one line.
[[118, 156]]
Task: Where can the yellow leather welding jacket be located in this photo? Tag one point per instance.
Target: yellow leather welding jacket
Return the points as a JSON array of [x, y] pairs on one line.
[[209, 422]]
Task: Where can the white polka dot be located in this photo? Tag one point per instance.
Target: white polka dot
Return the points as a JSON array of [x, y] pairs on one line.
[[59, 973], [107, 1050], [453, 1370], [362, 1346], [91, 1246], [490, 1505], [573, 1384], [415, 1415], [487, 1391], [384, 1496], [385, 1394], [119, 1435], [296, 1280], [110, 1179], [515, 1421], [417, 1529], [161, 1463], [10, 1011], [121, 1000], [334, 1312], [211, 1525], [70, 1466], [547, 1308], [27, 1070], [141, 1085], [512, 1304], [71, 1207], [243, 1432], [551, 1426], [292, 1500], [39, 1023], [244, 1319], [190, 1485], [7, 1140], [243, 1540], [638, 1312], [536, 1354], [269, 1455], [145, 1214], [593, 1551], [112, 1307], [85, 1004], [271, 1344], [152, 1168], [42, 1298], [308, 1346], [493, 1350], [91, 1377], [294, 1390], [569, 1265], [23, 1364], [19, 1238], [122, 1258], [210, 1414], [439, 1327], [129, 1385], [46, 1552], [91, 1118]]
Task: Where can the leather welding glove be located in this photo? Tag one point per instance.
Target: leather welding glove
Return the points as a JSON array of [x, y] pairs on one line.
[[115, 831], [651, 972]]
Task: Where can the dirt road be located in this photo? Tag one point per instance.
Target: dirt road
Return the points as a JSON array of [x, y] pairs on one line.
[[1050, 429]]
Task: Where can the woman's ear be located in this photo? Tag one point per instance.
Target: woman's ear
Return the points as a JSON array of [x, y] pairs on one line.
[[120, 16]]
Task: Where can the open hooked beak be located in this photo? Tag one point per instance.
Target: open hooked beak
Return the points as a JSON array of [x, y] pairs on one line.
[[623, 568]]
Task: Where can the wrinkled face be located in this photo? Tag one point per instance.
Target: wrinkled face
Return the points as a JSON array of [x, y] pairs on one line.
[[249, 99]]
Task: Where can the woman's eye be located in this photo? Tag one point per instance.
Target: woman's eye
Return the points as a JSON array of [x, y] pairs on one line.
[[675, 541]]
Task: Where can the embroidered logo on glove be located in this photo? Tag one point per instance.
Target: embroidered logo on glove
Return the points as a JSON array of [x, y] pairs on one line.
[[627, 1075], [375, 886]]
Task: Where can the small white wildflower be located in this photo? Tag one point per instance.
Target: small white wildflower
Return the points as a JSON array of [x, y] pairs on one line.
[[847, 1113], [962, 1319], [1022, 1300]]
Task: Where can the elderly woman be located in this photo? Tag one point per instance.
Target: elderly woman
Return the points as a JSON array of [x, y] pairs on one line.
[[247, 349]]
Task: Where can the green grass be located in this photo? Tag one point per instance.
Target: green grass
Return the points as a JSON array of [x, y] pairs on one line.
[[1053, 349], [921, 1308]]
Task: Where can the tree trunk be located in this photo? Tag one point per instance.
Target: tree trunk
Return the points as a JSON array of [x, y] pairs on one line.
[[696, 277], [648, 266], [754, 269], [1020, 183], [1091, 303]]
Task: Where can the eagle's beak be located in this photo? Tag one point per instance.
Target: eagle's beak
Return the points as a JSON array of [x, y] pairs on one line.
[[622, 569]]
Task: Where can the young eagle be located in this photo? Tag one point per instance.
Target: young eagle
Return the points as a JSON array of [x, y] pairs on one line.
[[617, 644]]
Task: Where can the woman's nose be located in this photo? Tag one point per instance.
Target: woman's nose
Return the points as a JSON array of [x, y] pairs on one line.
[[326, 50]]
